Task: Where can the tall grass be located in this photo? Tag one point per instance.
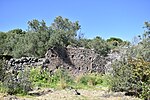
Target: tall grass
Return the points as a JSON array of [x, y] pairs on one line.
[[61, 79], [92, 80], [42, 78]]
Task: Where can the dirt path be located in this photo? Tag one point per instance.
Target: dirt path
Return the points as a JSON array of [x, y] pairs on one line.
[[71, 95]]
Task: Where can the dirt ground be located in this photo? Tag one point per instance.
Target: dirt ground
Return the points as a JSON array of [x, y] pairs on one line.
[[70, 94]]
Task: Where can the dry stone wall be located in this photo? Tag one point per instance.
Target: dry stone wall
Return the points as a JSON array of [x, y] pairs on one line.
[[73, 60]]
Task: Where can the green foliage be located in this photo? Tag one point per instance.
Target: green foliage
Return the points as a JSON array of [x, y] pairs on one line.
[[42, 78], [36, 26], [141, 72], [17, 84], [61, 79], [14, 82], [132, 72], [132, 75], [117, 42], [84, 43], [39, 37], [3, 89], [2, 69], [91, 80], [2, 42], [64, 79], [122, 74], [14, 42], [37, 74], [64, 32], [145, 90], [100, 46], [21, 82], [112, 39], [17, 31]]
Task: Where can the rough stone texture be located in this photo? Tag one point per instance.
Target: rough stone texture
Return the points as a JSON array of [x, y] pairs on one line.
[[77, 60], [74, 60], [112, 57], [14, 66], [21, 63]]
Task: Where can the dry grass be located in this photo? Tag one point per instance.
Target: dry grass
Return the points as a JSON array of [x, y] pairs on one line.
[[70, 95]]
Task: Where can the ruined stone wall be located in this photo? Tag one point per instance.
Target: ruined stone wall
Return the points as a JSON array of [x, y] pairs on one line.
[[21, 63], [75, 60]]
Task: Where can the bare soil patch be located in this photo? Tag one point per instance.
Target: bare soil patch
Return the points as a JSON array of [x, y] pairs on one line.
[[70, 94]]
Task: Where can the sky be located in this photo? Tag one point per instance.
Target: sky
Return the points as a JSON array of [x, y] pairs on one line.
[[105, 18]]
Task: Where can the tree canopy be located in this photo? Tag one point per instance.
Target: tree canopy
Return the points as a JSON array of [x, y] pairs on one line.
[[39, 37]]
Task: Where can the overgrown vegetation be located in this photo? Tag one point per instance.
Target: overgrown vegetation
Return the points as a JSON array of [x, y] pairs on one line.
[[92, 80], [62, 32], [23, 81], [19, 84], [61, 79], [13, 81], [42, 78], [132, 72], [2, 69]]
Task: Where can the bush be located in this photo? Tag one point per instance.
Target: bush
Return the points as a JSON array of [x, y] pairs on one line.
[[14, 81], [42, 78], [64, 79], [141, 72], [2, 69], [17, 82], [132, 75], [92, 79], [39, 77], [132, 72], [36, 74], [61, 79]]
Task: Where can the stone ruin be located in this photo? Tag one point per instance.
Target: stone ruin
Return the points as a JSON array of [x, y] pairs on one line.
[[73, 60]]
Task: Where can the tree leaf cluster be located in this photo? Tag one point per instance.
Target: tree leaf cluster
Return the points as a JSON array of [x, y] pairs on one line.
[[39, 37]]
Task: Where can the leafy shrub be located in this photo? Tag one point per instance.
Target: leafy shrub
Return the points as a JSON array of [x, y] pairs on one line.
[[92, 79], [36, 74], [141, 71], [2, 88], [145, 90], [2, 69], [132, 75], [100, 46], [132, 72], [64, 78], [42, 78], [17, 82], [61, 79], [13, 82]]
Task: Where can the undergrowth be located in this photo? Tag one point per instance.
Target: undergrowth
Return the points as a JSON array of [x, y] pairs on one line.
[[61, 79], [20, 82]]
